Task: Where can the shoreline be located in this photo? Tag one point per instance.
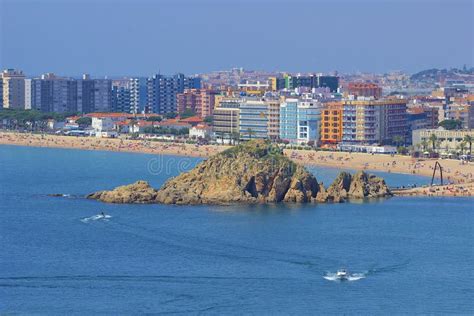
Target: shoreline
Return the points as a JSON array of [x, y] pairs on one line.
[[453, 170]]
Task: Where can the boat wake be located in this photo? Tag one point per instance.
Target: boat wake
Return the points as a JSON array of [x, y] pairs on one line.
[[98, 217], [351, 277]]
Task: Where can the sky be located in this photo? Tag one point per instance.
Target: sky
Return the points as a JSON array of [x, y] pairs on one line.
[[144, 37]]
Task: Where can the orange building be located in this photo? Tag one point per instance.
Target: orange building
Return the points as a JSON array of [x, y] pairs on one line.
[[361, 89], [331, 123]]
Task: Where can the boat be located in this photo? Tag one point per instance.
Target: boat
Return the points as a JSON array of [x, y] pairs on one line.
[[342, 274]]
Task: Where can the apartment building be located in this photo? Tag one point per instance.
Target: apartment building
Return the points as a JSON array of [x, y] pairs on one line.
[[331, 123], [371, 121], [253, 119], [201, 101], [13, 89], [300, 120]]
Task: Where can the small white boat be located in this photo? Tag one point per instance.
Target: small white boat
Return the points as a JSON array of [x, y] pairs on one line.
[[342, 274]]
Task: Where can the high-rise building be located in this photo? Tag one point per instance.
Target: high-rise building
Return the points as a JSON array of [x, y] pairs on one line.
[[51, 93], [162, 91], [331, 123], [253, 119], [138, 95], [273, 106], [300, 120], [94, 95], [201, 101], [370, 121], [226, 118], [121, 99], [28, 86], [13, 89]]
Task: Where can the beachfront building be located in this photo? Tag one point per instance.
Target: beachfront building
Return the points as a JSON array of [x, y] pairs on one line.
[[442, 141], [121, 98], [422, 117], [162, 91], [13, 89], [331, 123], [200, 101], [94, 95], [51, 93], [200, 131], [253, 119], [371, 121], [138, 95], [104, 126], [226, 118], [299, 120], [273, 106]]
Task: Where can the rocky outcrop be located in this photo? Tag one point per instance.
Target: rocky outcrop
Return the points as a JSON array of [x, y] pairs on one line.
[[138, 192], [254, 172]]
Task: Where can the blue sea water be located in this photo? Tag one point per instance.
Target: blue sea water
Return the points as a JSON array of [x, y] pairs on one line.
[[415, 254]]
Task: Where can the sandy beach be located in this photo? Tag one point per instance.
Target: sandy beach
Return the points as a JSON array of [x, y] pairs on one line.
[[454, 171]]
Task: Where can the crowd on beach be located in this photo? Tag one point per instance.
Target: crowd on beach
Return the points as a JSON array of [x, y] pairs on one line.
[[454, 171]]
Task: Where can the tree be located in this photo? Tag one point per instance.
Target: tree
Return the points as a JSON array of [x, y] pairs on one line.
[[84, 121], [451, 124], [462, 147], [424, 144], [208, 119], [398, 140], [187, 113], [468, 140], [154, 119], [171, 115], [433, 140], [250, 132]]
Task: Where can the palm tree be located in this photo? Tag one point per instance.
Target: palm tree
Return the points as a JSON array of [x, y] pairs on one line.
[[398, 140], [424, 144], [468, 140], [462, 146], [433, 140], [250, 132]]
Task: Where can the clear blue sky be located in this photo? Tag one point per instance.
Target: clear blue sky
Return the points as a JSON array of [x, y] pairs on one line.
[[140, 37]]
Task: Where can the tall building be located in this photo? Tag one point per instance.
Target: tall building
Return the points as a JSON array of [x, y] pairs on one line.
[[331, 123], [370, 121], [94, 95], [359, 89], [273, 106], [28, 86], [461, 111], [162, 91], [138, 95], [253, 119], [51, 93], [226, 118], [300, 120], [13, 89], [120, 99], [201, 101]]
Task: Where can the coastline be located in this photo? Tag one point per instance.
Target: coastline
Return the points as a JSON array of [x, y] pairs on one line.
[[453, 170]]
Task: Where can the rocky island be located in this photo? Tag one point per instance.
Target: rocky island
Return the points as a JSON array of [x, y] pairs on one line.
[[253, 172]]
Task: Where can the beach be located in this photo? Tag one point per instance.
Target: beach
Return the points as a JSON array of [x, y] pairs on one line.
[[454, 171]]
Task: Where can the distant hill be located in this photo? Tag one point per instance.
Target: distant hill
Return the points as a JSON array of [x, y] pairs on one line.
[[436, 74]]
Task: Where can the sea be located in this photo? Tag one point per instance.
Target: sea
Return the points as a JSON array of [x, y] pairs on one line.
[[61, 256]]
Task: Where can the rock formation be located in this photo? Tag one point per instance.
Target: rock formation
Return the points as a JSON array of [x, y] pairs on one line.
[[253, 172]]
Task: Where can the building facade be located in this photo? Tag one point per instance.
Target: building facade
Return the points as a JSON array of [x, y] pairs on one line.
[[360, 89], [445, 141], [370, 121], [162, 91], [253, 119], [226, 118], [331, 123], [13, 89], [51, 93]]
